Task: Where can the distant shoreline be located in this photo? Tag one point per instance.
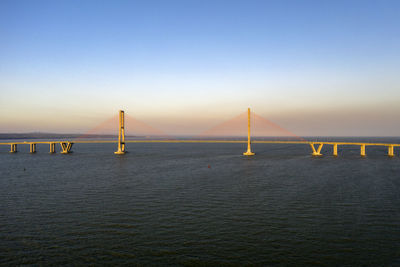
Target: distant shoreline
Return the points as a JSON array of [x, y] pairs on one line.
[[58, 136], [55, 136]]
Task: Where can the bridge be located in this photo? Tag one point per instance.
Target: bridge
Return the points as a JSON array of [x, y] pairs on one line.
[[316, 146]]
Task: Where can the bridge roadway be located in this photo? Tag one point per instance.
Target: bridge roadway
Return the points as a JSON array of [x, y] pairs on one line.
[[67, 145]]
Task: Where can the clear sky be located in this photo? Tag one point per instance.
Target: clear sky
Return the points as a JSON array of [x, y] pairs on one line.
[[314, 67]]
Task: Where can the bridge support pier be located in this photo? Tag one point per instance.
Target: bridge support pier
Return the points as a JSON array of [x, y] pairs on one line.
[[318, 151], [32, 148], [391, 151], [335, 150], [52, 148], [66, 147], [248, 152], [362, 150], [13, 148], [121, 134]]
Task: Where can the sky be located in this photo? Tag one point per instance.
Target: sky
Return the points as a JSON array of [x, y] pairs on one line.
[[316, 68]]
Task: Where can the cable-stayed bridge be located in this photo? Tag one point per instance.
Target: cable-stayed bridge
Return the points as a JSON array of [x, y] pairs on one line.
[[223, 129]]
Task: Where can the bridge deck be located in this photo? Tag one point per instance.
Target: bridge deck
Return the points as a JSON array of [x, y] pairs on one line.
[[204, 141]]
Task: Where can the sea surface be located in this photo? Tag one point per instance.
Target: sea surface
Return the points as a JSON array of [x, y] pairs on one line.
[[200, 205]]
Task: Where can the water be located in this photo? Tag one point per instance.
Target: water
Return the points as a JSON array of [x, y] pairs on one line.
[[199, 204]]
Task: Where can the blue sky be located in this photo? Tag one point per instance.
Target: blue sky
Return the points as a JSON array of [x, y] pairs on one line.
[[314, 67]]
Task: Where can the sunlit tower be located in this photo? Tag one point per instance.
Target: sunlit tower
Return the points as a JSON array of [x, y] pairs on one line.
[[121, 134], [248, 152]]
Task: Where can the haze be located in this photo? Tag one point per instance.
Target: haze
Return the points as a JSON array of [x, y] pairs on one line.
[[314, 67]]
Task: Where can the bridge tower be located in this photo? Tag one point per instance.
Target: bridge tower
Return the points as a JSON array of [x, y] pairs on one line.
[[248, 152], [121, 134]]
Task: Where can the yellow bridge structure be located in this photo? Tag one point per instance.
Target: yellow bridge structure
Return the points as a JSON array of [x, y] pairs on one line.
[[316, 146]]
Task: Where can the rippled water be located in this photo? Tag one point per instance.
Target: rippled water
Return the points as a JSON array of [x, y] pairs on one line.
[[199, 204]]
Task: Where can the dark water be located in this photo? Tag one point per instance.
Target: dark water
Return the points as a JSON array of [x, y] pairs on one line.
[[199, 204]]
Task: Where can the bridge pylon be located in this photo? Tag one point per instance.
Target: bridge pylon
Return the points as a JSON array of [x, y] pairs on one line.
[[121, 134], [248, 152]]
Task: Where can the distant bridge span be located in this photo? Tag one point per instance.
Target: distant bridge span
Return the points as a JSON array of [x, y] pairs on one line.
[[66, 146]]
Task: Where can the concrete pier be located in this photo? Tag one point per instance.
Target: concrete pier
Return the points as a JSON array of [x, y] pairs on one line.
[[13, 148], [335, 150], [52, 148], [66, 147], [32, 148], [391, 151], [316, 152], [362, 150]]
